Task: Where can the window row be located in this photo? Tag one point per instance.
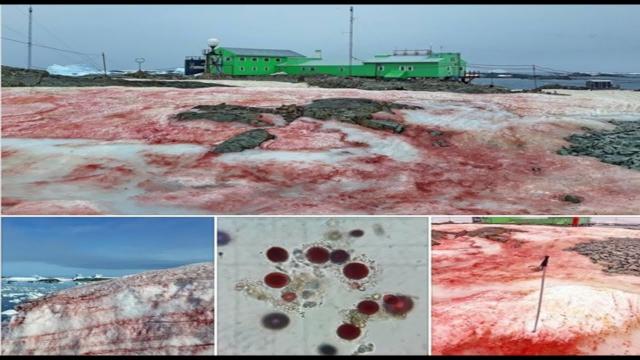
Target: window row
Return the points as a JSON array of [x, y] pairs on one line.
[[228, 58]]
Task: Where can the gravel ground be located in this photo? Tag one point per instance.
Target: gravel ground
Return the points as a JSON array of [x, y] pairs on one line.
[[616, 255], [620, 146]]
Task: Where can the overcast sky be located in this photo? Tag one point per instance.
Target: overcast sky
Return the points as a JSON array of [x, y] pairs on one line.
[[64, 246], [567, 37]]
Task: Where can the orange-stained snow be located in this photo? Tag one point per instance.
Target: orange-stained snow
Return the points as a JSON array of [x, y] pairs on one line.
[[485, 294], [119, 149]]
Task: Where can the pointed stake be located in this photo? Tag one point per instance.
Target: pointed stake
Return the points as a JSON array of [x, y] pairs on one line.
[[543, 265]]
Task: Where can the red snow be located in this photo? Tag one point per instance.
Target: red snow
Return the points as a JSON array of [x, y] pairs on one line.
[[162, 312], [485, 294], [47, 207], [307, 134], [470, 154]]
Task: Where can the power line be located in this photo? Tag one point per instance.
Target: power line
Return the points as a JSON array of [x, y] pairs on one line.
[[83, 56], [14, 30], [48, 31], [50, 47], [495, 65]]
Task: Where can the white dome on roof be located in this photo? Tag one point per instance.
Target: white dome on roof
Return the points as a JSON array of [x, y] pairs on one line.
[[213, 42]]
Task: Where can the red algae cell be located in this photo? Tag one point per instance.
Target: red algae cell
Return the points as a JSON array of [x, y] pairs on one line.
[[356, 233], [339, 256], [277, 254], [317, 255], [289, 296], [355, 271], [368, 307], [397, 304], [276, 280], [348, 331]]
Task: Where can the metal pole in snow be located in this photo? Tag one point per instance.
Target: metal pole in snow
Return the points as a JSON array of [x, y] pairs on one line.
[[29, 42], [544, 264], [350, 39], [104, 64]]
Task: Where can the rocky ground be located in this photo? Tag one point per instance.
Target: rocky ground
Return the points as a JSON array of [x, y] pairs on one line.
[[165, 312], [615, 255], [17, 77], [353, 111], [619, 146], [410, 84]]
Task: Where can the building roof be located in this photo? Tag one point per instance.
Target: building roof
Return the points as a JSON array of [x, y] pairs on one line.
[[262, 52], [403, 59], [319, 62]]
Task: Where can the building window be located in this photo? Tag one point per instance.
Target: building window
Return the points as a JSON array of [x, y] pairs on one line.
[[227, 59], [401, 68], [410, 68], [277, 59], [254, 59], [241, 59], [313, 69], [304, 68], [341, 69], [254, 68], [241, 68], [266, 59], [381, 67], [266, 68]]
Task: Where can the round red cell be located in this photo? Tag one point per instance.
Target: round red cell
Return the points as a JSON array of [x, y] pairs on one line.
[[390, 299], [355, 271], [368, 307], [277, 254], [289, 296], [339, 256], [317, 255], [397, 304], [348, 331], [276, 280]]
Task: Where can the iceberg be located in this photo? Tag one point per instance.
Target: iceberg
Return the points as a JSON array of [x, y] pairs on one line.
[[73, 70]]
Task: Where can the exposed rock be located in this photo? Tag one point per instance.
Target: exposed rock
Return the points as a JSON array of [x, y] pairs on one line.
[[494, 233], [615, 255], [247, 140], [354, 111], [226, 113], [620, 146], [420, 84], [573, 198], [17, 77], [162, 312]]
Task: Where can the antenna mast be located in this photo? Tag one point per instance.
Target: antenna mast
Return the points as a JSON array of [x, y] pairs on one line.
[[350, 39], [29, 41]]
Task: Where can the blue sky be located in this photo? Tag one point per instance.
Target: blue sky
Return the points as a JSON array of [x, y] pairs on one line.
[[565, 37], [66, 246]]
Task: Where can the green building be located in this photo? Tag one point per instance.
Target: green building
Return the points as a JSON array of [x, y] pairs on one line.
[[533, 220], [242, 61], [398, 65]]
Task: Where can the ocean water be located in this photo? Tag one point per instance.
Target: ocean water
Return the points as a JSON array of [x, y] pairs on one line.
[[625, 83], [12, 295]]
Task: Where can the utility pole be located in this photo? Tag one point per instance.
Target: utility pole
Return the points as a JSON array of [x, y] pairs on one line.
[[29, 41], [350, 39], [535, 81], [104, 64]]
